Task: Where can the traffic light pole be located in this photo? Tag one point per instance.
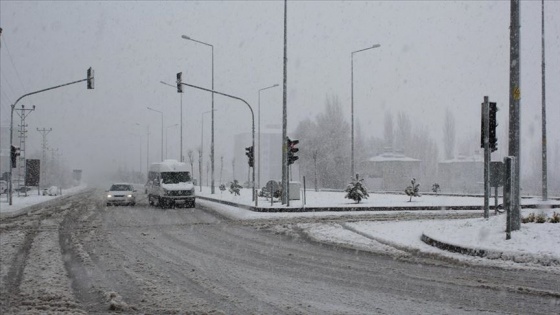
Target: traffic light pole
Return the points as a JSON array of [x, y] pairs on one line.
[[486, 120], [10, 201], [252, 120]]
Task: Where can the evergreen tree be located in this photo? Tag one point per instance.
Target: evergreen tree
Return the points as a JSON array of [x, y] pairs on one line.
[[412, 190], [234, 187], [356, 190]]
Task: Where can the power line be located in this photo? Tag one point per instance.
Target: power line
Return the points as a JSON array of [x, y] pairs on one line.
[[12, 61], [9, 84]]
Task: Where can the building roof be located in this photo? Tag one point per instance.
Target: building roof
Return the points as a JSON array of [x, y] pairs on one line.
[[465, 159], [392, 157]]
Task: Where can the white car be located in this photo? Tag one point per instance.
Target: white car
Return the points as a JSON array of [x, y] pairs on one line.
[[52, 191], [121, 194]]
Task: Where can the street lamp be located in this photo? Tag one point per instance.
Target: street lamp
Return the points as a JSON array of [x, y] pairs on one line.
[[158, 111], [252, 126], [166, 141], [181, 123], [202, 135], [259, 133], [352, 101], [212, 141], [147, 149]]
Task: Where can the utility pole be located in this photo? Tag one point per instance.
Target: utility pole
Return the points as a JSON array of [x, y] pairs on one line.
[[285, 197], [44, 132], [22, 113], [53, 169], [514, 111], [544, 162]]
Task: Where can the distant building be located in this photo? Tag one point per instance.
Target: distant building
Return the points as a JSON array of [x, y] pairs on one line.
[[462, 175], [390, 171]]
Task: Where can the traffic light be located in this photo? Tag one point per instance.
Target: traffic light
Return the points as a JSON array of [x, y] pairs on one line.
[[180, 82], [250, 155], [492, 137], [291, 145], [90, 79], [14, 154]]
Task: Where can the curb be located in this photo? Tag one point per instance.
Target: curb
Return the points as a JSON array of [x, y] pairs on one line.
[[343, 209], [543, 260]]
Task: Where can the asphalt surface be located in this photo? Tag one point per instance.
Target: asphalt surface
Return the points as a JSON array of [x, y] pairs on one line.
[[79, 256]]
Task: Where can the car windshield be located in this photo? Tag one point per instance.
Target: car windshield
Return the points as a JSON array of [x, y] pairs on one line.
[[121, 187], [175, 177]]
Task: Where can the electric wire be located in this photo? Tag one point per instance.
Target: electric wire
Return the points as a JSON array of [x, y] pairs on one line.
[[13, 64]]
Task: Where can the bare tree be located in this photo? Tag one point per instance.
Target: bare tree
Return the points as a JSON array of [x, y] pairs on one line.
[[326, 143], [190, 154], [221, 167], [315, 168], [403, 131], [389, 131], [200, 167], [449, 135]]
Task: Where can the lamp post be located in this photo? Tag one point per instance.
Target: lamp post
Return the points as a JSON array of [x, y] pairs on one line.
[[158, 111], [255, 198], [89, 79], [166, 133], [147, 148], [181, 123], [212, 132], [259, 133], [202, 137], [352, 101]]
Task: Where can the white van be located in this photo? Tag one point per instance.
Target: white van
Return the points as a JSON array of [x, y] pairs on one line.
[[170, 183]]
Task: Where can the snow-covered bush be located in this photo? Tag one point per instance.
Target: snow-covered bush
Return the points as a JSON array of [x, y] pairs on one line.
[[529, 218], [356, 190], [555, 218], [436, 188], [541, 218], [412, 190], [234, 187]]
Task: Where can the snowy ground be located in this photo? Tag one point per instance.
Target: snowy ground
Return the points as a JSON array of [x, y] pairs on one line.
[[32, 198], [534, 244]]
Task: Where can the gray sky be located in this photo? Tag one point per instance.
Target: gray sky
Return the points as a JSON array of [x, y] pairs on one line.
[[434, 55]]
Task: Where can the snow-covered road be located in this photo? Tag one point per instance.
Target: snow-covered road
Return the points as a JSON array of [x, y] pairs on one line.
[[78, 256]]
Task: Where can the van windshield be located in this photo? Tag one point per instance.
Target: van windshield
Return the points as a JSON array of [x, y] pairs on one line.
[[175, 177]]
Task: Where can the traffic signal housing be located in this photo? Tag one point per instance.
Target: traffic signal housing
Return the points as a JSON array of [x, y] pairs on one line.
[[180, 82], [90, 78], [292, 150], [15, 152], [493, 124], [250, 155]]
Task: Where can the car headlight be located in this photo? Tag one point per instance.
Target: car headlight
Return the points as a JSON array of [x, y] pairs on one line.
[[109, 196], [129, 196]]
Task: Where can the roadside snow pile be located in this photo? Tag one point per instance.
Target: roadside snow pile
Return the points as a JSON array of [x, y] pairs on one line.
[[533, 243]]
